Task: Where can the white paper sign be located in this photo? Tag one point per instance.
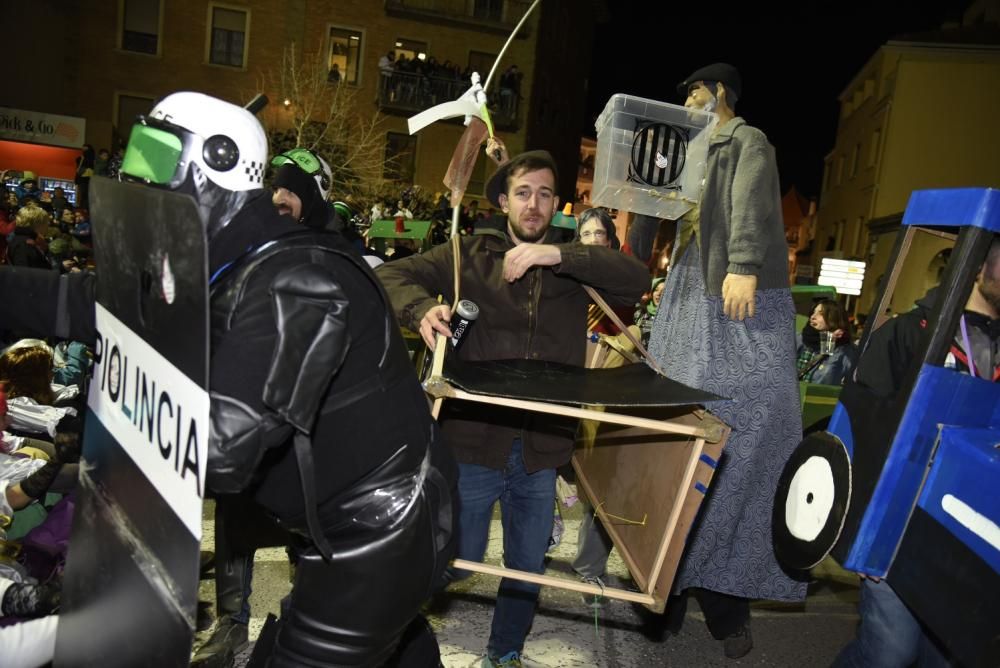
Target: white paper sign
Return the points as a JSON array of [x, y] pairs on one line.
[[157, 414], [39, 128]]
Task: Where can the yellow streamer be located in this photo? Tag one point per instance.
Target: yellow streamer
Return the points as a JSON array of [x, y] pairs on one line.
[[625, 520]]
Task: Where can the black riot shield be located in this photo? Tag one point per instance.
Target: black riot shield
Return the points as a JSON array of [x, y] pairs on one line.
[[131, 581]]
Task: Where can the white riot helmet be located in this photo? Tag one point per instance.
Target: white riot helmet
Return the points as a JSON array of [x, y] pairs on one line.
[[200, 146], [225, 141]]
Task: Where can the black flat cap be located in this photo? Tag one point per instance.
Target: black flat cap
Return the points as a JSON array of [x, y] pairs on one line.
[[535, 159], [724, 72]]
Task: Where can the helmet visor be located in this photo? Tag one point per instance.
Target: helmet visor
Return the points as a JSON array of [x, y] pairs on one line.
[[152, 154], [304, 158]]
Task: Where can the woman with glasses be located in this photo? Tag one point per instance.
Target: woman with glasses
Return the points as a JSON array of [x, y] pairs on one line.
[[597, 228]]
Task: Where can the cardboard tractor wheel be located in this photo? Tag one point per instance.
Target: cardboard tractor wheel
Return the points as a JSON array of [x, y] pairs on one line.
[[811, 502]]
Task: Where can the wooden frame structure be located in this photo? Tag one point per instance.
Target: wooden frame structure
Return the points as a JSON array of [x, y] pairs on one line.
[[646, 471]]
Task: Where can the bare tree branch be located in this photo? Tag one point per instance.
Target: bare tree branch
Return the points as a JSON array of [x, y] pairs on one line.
[[324, 116]]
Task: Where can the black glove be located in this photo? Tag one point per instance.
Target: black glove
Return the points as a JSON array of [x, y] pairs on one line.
[[36, 484], [31, 600]]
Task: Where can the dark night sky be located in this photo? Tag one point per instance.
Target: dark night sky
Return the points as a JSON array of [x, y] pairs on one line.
[[794, 63]]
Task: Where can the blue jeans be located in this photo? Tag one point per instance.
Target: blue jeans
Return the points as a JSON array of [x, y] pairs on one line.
[[526, 514], [889, 636]]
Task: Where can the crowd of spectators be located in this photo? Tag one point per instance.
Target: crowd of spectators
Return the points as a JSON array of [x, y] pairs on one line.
[[41, 401], [43, 229]]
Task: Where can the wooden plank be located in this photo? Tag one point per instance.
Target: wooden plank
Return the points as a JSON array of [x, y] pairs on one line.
[[675, 512], [689, 511], [552, 581], [710, 431], [437, 367]]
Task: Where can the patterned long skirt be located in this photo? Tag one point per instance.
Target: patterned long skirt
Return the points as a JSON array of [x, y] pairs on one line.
[[753, 363]]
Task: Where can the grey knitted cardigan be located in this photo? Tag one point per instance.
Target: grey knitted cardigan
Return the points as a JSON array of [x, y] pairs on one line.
[[740, 224]]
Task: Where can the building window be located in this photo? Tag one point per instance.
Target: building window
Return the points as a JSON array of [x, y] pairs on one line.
[[129, 108], [412, 49], [488, 10], [228, 37], [854, 160], [827, 168], [400, 156], [345, 52], [838, 240], [869, 88], [873, 150], [840, 170], [482, 62], [140, 26]]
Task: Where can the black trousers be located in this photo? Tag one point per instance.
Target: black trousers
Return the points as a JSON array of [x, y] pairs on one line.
[[724, 614], [392, 538]]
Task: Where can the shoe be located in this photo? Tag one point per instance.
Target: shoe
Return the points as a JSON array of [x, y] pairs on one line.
[[203, 617], [221, 648], [558, 528], [508, 660], [739, 644], [593, 600], [206, 563]]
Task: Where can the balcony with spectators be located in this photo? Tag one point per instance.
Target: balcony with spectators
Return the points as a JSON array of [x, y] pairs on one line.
[[408, 93]]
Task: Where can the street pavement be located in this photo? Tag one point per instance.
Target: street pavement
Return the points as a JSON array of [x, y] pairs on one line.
[[569, 633]]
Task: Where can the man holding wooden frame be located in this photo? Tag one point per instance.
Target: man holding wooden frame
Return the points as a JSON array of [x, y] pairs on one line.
[[532, 306]]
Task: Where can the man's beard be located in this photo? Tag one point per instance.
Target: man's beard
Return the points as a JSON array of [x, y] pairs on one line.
[[528, 236]]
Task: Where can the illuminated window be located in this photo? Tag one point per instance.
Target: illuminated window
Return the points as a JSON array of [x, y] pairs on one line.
[[228, 36], [412, 49], [140, 26], [345, 53]]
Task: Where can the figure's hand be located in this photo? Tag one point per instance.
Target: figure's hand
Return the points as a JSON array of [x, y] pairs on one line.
[[523, 257], [496, 150], [737, 296], [839, 334], [435, 320]]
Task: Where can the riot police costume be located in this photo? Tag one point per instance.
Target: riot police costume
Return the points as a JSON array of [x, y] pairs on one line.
[[364, 486], [316, 410]]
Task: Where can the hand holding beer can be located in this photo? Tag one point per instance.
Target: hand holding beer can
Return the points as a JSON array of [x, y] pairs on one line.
[[465, 316]]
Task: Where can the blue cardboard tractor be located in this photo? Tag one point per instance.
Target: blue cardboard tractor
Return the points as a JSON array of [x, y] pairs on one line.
[[907, 487]]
